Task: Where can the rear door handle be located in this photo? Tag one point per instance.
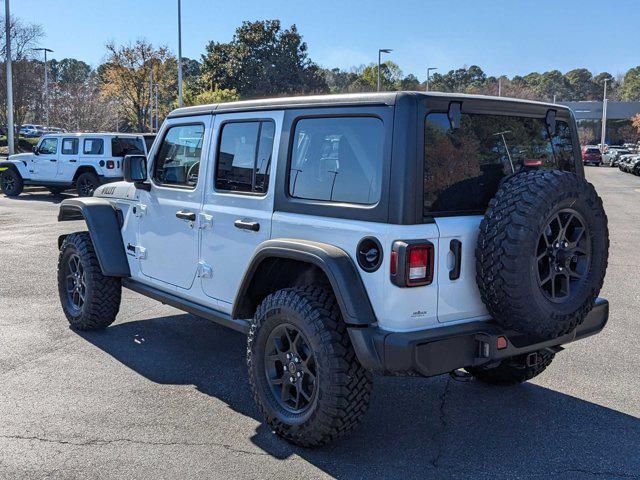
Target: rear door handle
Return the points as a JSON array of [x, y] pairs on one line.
[[72, 161], [252, 226], [53, 160], [456, 248], [184, 215]]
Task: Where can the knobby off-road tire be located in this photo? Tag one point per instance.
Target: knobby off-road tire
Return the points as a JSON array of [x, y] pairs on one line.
[[542, 224], [336, 387], [513, 370], [11, 182], [86, 184], [89, 299]]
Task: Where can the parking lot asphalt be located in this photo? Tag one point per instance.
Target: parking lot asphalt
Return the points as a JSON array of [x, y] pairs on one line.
[[162, 394]]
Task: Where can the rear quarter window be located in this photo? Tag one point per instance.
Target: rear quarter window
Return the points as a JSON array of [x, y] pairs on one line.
[[463, 167], [337, 159]]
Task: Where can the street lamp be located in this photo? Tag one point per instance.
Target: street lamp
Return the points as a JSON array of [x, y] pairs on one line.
[[179, 55], [429, 69], [7, 30], [46, 85], [380, 52], [604, 116]]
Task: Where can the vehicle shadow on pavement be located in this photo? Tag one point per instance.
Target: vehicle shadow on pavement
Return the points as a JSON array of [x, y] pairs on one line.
[[41, 195], [415, 427]]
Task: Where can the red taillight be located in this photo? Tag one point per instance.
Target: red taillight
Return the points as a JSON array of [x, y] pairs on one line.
[[411, 263], [419, 265], [110, 164]]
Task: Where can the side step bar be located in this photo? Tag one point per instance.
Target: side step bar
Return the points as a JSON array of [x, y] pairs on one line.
[[188, 306]]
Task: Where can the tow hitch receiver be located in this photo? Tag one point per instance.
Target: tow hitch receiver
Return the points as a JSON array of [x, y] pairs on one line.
[[532, 359]]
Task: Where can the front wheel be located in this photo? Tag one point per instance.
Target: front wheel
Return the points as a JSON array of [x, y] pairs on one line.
[[89, 299], [87, 184], [303, 370], [11, 183]]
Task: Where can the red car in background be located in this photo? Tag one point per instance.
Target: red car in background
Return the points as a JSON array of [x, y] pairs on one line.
[[591, 155]]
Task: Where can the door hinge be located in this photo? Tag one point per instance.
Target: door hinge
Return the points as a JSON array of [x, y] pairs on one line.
[[139, 210], [204, 270], [137, 251], [205, 221]]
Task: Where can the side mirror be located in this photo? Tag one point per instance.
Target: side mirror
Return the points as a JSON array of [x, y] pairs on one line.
[[455, 114], [134, 168], [35, 150]]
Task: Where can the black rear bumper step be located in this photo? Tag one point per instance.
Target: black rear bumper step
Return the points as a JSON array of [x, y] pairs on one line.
[[447, 348], [188, 306]]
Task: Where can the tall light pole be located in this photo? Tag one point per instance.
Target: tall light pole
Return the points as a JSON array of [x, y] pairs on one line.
[[604, 116], [179, 55], [380, 52], [7, 30], [499, 86], [429, 70], [157, 112], [46, 84]]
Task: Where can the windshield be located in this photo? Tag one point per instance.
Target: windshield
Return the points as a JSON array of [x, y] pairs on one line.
[[464, 166]]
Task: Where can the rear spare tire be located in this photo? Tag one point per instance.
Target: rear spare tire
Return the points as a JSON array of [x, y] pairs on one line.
[[542, 252]]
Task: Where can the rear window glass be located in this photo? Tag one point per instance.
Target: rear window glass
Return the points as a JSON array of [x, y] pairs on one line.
[[593, 150], [464, 166], [121, 147], [337, 159]]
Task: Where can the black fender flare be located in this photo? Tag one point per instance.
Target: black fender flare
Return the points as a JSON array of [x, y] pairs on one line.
[[336, 264], [104, 228]]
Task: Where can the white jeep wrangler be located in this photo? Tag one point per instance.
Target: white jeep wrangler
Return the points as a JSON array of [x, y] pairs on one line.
[[61, 161], [393, 233]]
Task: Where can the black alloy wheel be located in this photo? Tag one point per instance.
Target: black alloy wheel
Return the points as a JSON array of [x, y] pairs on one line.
[[75, 282], [564, 255], [291, 369]]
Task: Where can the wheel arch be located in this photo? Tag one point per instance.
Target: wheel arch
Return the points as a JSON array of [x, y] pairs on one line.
[[284, 263], [17, 166], [84, 169], [103, 224]]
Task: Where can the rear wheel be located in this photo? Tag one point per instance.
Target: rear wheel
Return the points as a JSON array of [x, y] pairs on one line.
[[89, 299], [11, 183], [303, 371], [515, 369], [86, 184]]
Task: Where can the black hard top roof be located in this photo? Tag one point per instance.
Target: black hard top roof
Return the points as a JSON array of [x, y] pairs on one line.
[[342, 100]]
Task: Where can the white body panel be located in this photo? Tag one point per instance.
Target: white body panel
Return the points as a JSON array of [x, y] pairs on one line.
[[225, 248], [171, 244], [458, 299]]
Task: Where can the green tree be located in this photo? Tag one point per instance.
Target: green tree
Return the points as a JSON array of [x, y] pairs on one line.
[[630, 90], [390, 76], [581, 85], [263, 60], [209, 97]]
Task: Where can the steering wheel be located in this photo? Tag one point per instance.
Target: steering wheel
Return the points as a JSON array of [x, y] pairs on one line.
[[193, 172]]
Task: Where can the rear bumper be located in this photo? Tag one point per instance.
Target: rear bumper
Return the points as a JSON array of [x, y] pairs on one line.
[[443, 349]]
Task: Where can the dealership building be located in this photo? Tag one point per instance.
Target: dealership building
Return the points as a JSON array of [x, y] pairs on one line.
[[619, 130]]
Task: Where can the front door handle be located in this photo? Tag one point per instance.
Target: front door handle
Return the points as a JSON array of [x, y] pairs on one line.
[[184, 215], [53, 160], [244, 225], [456, 249]]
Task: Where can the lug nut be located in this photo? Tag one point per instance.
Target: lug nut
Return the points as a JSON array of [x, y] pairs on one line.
[[285, 368], [299, 374], [291, 379]]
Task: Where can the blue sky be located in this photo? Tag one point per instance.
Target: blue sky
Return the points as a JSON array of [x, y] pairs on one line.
[[503, 37]]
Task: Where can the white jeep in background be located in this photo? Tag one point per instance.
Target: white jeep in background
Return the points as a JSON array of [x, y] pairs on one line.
[[395, 233], [61, 161]]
